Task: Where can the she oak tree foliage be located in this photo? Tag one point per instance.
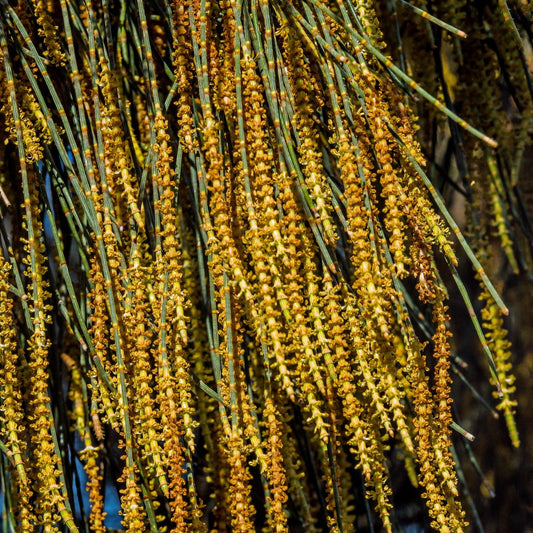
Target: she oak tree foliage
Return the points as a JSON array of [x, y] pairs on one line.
[[227, 261]]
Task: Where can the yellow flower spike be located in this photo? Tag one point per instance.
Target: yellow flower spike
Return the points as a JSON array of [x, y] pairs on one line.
[[241, 508], [117, 160], [107, 403], [442, 418], [78, 414], [365, 444], [139, 338], [346, 381], [199, 344], [444, 460], [35, 133], [399, 416], [93, 468], [367, 16], [314, 409], [275, 468], [441, 355], [426, 226], [434, 225], [184, 386], [367, 277], [433, 456], [49, 32], [498, 221], [259, 155], [310, 156], [132, 508], [325, 367], [12, 424], [174, 380], [275, 337], [310, 364], [48, 486], [497, 338], [364, 366], [222, 246], [182, 61], [334, 324], [218, 180], [100, 332], [258, 164], [391, 190], [299, 247], [173, 448]]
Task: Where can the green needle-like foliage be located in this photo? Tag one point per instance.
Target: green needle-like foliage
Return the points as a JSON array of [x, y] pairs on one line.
[[228, 265]]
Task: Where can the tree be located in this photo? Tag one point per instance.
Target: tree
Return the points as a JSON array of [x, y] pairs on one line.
[[227, 255]]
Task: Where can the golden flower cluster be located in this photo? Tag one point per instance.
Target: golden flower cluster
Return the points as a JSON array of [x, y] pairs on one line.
[[13, 429], [225, 281]]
